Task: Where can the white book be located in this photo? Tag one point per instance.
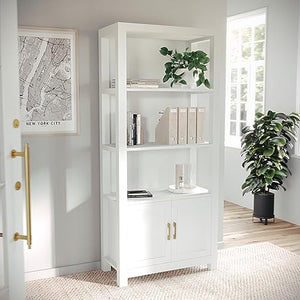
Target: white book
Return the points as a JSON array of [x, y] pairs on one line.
[[166, 129], [182, 125], [138, 129], [200, 124], [191, 125]]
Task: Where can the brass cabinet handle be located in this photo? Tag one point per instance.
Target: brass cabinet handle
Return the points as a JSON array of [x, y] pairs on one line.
[[175, 230], [25, 154], [169, 232]]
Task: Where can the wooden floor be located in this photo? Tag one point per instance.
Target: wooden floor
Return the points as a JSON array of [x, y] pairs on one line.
[[240, 230]]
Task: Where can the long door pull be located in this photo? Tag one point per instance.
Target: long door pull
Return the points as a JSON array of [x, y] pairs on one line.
[[175, 231], [25, 154]]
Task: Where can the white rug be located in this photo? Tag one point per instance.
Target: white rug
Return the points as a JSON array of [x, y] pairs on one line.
[[259, 271]]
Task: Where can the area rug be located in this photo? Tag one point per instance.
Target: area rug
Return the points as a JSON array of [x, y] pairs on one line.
[[257, 271]]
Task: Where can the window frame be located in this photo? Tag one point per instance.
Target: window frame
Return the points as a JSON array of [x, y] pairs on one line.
[[252, 65]]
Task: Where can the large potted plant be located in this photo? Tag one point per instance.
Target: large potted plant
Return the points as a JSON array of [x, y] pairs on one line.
[[190, 61], [266, 151]]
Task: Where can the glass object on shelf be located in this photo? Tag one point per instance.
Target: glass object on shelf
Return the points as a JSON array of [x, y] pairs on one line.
[[179, 176], [182, 180]]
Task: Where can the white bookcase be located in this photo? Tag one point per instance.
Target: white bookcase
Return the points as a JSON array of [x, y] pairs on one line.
[[168, 231]]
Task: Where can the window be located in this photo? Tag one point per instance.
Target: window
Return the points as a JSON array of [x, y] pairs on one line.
[[245, 77]]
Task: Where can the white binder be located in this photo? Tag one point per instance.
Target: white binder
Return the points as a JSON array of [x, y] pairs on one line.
[[182, 125], [200, 124], [192, 125], [166, 129]]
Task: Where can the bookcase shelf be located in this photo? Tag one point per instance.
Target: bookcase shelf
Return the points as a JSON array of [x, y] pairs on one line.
[[171, 90], [112, 91], [156, 147], [140, 236], [161, 195]]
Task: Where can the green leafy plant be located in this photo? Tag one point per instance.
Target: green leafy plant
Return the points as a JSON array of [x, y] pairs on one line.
[[194, 61], [265, 151]]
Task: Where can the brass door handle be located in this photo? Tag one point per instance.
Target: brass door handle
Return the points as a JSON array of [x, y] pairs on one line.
[[169, 232], [25, 154], [175, 230]]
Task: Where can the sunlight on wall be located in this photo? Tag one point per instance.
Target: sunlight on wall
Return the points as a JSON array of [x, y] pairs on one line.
[[40, 256]]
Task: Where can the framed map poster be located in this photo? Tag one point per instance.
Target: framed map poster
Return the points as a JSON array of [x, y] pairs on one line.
[[48, 80]]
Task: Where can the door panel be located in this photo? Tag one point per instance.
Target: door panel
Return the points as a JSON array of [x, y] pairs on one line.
[[12, 200], [148, 234], [192, 223]]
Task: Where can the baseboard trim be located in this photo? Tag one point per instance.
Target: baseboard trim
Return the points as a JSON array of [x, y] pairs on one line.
[[66, 270]]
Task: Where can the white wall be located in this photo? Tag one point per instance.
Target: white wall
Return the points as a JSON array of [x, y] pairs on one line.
[[65, 170], [281, 75]]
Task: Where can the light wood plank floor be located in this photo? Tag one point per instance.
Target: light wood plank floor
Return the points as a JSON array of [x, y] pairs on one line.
[[239, 230]]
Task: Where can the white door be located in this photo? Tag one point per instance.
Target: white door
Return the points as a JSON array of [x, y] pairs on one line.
[[11, 199], [191, 221]]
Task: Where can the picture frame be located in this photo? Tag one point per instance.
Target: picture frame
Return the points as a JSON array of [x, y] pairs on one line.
[[48, 76]]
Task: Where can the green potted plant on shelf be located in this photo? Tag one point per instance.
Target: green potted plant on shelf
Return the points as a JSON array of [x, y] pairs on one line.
[[192, 61], [266, 152]]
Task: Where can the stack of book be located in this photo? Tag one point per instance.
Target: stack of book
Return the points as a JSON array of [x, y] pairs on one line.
[[113, 83], [181, 125], [142, 83], [135, 134], [138, 83]]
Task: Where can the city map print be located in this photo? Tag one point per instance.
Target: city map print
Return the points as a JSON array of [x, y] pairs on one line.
[[47, 97]]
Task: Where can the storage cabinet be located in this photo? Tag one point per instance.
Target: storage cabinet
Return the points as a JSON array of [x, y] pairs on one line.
[[161, 233], [168, 231]]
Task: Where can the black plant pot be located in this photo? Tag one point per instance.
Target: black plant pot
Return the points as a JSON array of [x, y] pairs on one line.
[[264, 206]]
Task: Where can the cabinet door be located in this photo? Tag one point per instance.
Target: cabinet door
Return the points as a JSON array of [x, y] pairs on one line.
[[191, 220], [148, 234]]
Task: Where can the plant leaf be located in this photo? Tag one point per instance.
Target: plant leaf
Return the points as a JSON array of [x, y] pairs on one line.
[[269, 151], [279, 141], [207, 83], [164, 51]]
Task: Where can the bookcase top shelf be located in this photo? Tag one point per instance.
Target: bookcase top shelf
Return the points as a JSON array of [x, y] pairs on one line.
[[112, 91], [136, 30], [154, 147]]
